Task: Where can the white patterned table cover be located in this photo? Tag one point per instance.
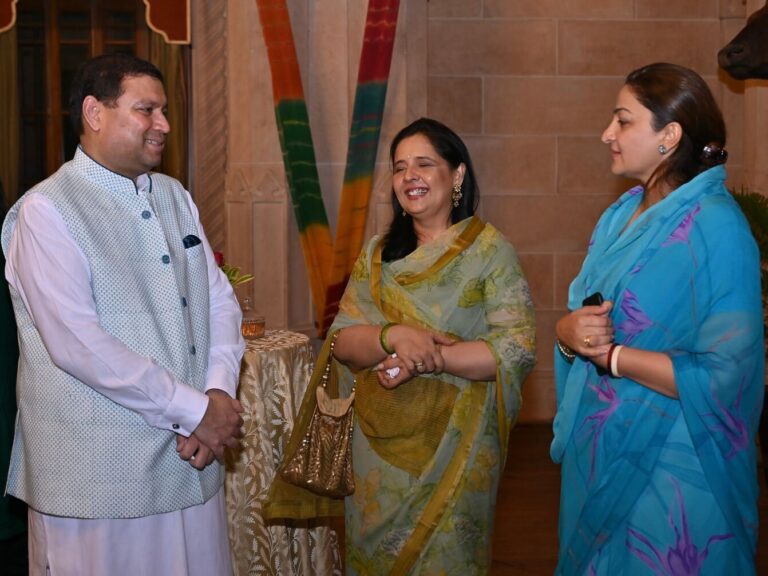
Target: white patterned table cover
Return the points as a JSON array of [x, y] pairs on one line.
[[273, 377]]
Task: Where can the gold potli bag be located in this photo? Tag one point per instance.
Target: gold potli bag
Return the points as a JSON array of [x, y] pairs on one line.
[[323, 461]]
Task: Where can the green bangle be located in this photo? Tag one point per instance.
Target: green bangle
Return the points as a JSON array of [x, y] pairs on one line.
[[383, 337]]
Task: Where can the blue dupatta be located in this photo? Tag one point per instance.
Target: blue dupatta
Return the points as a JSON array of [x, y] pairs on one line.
[[639, 467]]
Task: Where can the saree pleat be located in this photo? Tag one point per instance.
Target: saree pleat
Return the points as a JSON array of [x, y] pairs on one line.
[[446, 489], [405, 425]]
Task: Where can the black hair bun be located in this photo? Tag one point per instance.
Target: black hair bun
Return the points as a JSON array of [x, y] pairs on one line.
[[714, 155]]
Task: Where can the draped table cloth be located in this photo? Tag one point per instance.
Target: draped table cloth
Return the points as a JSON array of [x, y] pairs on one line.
[[273, 377]]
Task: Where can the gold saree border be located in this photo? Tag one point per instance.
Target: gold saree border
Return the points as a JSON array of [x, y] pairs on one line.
[[462, 241], [458, 245], [501, 410], [380, 412], [437, 506], [375, 276]]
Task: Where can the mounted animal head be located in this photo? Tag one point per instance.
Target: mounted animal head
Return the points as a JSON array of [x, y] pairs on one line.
[[746, 56]]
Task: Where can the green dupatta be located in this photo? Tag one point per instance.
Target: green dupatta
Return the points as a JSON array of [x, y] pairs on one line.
[[371, 299]]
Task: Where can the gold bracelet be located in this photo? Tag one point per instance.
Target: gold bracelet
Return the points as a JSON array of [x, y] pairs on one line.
[[567, 353], [383, 337]]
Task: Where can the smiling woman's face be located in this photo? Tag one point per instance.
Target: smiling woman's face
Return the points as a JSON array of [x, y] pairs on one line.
[[423, 181], [633, 141]]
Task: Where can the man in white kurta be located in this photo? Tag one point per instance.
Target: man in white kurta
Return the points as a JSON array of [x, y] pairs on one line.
[[130, 349]]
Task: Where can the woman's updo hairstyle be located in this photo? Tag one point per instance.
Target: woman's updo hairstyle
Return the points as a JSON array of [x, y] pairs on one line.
[[677, 94], [400, 239]]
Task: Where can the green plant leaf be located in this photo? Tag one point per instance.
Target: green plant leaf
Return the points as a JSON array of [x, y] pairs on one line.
[[234, 276], [755, 209]]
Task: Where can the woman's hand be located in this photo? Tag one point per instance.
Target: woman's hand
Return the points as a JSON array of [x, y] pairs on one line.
[[587, 331], [392, 372], [417, 349]]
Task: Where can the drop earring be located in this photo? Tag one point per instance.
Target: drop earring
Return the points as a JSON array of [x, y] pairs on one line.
[[662, 149], [456, 195]]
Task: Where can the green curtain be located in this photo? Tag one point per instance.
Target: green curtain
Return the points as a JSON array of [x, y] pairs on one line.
[[9, 117], [171, 60]]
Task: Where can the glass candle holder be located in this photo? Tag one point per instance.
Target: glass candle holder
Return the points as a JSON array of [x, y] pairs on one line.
[[253, 325]]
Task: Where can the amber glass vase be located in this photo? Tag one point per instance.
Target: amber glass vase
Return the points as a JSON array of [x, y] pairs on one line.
[[253, 324]]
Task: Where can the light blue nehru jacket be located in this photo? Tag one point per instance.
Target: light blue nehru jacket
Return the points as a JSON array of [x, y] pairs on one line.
[[77, 453]]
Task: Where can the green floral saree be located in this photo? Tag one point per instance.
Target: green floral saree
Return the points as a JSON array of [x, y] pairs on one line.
[[428, 455]]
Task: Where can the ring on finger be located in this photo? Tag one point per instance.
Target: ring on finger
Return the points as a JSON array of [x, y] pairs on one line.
[[588, 341]]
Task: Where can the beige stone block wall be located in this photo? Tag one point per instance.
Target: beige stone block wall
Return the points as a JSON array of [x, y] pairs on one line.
[[530, 85]]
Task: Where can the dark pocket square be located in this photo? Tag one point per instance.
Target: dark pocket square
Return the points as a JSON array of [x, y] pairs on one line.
[[190, 241]]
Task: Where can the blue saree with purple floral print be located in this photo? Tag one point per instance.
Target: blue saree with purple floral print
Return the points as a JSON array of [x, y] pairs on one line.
[[651, 484]]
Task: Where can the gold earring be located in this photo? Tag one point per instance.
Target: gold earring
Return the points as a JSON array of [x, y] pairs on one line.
[[456, 195]]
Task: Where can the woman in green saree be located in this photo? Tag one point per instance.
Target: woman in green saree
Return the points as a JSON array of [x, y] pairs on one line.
[[437, 329]]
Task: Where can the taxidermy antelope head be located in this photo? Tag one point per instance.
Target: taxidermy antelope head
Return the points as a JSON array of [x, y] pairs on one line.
[[746, 56]]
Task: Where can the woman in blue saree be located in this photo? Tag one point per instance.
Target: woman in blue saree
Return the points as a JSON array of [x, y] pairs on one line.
[[660, 387]]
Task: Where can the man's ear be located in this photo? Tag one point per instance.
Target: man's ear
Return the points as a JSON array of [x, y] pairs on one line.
[[91, 112]]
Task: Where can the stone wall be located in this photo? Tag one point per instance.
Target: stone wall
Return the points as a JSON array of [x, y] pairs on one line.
[[529, 84]]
